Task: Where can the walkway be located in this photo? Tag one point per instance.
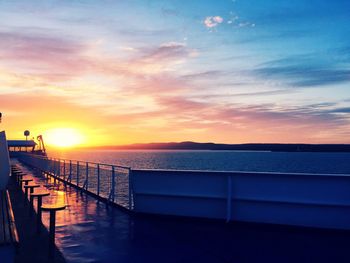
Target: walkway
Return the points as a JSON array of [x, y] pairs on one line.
[[89, 231]]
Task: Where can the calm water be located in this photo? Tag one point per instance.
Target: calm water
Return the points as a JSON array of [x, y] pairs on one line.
[[218, 160]]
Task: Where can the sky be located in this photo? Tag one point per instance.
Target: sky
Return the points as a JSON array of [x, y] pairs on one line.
[[230, 71]]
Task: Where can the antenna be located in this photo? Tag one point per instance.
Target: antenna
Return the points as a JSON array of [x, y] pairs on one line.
[[26, 133]]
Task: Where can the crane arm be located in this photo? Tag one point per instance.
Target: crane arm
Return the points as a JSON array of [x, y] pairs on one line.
[[41, 143]]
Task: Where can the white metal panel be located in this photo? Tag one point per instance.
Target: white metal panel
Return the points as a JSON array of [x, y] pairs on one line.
[[278, 198], [4, 161]]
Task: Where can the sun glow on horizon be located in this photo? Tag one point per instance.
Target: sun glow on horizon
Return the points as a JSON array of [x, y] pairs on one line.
[[63, 137]]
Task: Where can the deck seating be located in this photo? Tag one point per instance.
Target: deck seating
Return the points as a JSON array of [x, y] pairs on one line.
[[25, 180], [40, 196], [18, 175], [30, 187], [52, 208]]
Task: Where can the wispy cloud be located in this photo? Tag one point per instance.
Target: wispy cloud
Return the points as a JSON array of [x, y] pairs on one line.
[[77, 71], [273, 122], [305, 71], [42, 54], [307, 77], [165, 53], [212, 21]]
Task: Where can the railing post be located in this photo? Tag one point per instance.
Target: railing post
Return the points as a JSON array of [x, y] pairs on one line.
[[130, 189], [53, 172], [98, 179], [78, 168], [64, 170], [86, 183], [113, 183], [229, 198], [111, 193], [51, 166], [70, 171], [59, 168]]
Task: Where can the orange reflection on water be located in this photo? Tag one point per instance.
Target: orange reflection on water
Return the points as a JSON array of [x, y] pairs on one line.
[[60, 197], [62, 217]]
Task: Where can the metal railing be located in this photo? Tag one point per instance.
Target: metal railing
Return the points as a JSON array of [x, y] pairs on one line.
[[107, 181]]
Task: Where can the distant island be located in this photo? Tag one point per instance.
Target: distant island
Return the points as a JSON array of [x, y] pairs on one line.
[[274, 147]]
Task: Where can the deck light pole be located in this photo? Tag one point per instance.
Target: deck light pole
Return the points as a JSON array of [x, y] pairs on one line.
[[0, 116], [26, 133]]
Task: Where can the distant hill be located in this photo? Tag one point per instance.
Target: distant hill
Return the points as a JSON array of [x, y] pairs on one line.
[[275, 147]]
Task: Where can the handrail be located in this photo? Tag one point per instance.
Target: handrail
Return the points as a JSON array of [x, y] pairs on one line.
[[14, 233], [245, 173], [107, 181], [74, 160]]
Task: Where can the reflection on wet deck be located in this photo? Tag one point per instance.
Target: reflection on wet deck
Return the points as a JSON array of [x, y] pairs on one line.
[[89, 231]]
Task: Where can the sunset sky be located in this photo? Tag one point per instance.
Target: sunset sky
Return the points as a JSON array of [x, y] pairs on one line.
[[230, 71]]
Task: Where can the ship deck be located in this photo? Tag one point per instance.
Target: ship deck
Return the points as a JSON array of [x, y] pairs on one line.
[[90, 231]]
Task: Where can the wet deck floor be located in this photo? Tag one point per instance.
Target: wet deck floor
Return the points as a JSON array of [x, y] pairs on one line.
[[89, 231]]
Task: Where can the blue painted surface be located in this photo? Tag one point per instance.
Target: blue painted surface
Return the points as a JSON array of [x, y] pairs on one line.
[[314, 200], [7, 254]]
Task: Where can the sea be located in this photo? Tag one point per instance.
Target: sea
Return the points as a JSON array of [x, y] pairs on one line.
[[257, 161]]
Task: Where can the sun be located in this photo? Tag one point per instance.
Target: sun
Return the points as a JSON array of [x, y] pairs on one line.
[[63, 137]]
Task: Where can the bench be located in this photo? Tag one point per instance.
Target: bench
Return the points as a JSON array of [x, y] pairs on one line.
[[9, 241], [25, 180]]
